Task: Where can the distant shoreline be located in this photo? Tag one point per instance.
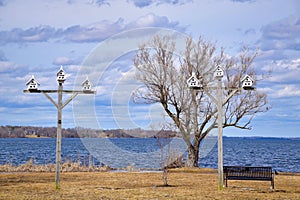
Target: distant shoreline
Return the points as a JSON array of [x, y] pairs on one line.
[[50, 132], [224, 137], [35, 136]]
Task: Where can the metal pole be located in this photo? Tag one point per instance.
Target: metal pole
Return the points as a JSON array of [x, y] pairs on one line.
[[58, 136], [220, 136]]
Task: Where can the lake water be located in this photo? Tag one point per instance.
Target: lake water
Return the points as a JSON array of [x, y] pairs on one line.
[[281, 154]]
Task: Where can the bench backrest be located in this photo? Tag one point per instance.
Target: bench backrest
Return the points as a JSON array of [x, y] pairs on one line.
[[245, 171]]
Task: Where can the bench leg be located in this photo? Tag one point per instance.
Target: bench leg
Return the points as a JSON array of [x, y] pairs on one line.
[[272, 182]]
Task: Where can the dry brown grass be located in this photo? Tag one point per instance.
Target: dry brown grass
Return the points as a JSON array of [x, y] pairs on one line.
[[184, 184], [67, 166]]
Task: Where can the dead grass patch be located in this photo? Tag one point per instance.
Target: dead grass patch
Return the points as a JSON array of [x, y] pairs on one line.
[[141, 185]]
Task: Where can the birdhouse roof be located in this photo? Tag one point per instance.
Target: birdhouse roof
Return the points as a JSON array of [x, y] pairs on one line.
[[192, 77], [86, 82], [60, 70], [32, 79], [219, 69], [247, 76]]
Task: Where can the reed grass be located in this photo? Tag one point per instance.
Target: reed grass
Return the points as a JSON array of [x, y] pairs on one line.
[[67, 166]]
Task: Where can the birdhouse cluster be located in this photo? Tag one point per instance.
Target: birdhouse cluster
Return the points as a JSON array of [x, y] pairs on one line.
[[193, 81], [61, 75], [247, 81], [32, 84]]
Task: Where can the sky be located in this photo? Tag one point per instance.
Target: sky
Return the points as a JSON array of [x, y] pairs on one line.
[[37, 37]]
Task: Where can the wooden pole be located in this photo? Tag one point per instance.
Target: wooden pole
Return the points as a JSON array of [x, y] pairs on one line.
[[59, 105], [219, 102], [58, 137], [220, 136]]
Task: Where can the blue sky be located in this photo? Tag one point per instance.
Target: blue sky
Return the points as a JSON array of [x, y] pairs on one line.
[[36, 37]]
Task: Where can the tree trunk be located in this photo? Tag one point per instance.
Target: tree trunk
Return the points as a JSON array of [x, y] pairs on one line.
[[193, 156], [193, 152]]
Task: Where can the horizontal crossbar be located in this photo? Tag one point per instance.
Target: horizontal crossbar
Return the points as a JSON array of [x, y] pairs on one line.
[[64, 91], [248, 178]]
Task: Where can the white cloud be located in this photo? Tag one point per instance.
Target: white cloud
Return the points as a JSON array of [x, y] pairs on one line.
[[6, 66], [288, 91], [146, 3], [95, 32], [243, 1], [283, 71], [283, 34], [63, 61]]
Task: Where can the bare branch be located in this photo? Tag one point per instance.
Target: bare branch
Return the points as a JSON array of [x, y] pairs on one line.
[[164, 76]]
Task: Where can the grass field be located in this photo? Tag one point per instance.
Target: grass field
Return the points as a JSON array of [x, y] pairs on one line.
[[183, 184]]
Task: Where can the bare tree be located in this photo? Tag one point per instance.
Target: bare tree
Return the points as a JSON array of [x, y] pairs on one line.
[[162, 142], [164, 77]]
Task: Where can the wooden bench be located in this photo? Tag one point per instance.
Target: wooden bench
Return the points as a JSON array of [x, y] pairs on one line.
[[248, 173]]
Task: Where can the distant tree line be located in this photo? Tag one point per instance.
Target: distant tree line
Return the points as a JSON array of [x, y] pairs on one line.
[[33, 131]]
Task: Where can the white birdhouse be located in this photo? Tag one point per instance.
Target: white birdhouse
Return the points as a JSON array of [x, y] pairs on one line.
[[86, 85], [32, 84], [193, 81], [219, 73], [61, 75], [247, 82]]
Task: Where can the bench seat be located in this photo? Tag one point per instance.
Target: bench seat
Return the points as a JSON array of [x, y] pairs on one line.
[[258, 173]]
